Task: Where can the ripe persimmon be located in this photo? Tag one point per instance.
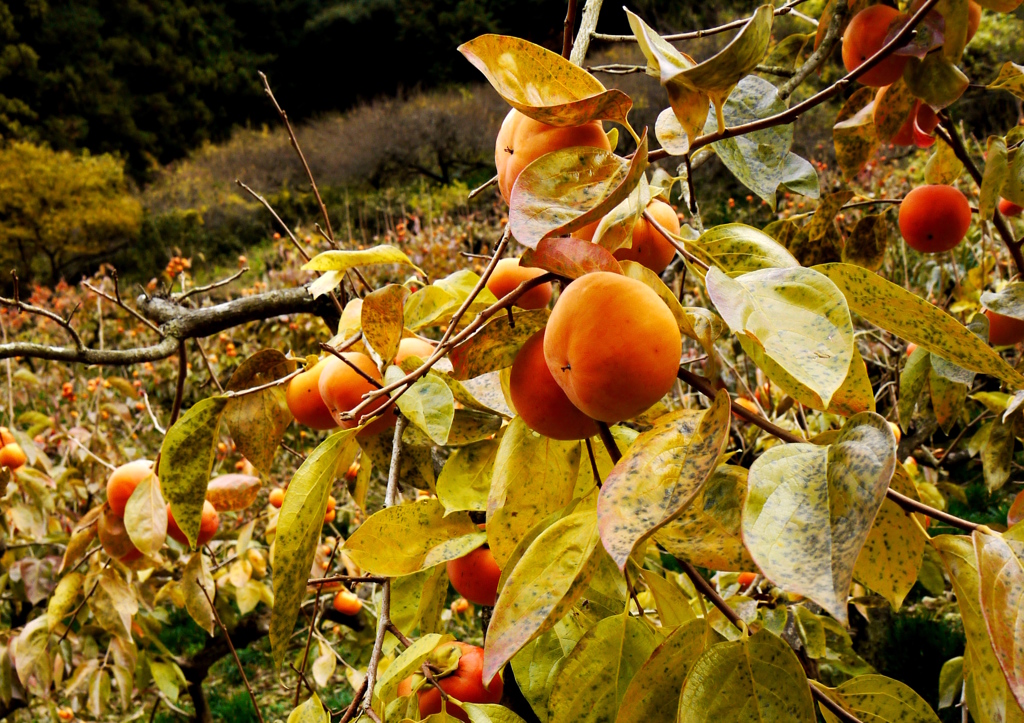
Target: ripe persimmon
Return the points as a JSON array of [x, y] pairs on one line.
[[865, 36], [612, 346], [330, 516], [465, 684], [1004, 330], [304, 400], [523, 140], [276, 497], [411, 346], [208, 525], [1009, 208], [508, 274], [12, 456], [347, 602], [745, 579], [911, 347], [342, 388], [123, 481], [475, 576], [649, 247], [934, 218], [917, 129], [114, 537], [6, 437], [539, 400]]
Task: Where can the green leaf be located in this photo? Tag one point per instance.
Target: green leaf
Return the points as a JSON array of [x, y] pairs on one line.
[[1001, 572], [570, 257], [997, 170], [194, 580], [738, 249], [878, 699], [257, 421], [30, 652], [948, 398], [854, 133], [298, 531], [551, 575], [537, 665], [1011, 75], [418, 600], [997, 454], [911, 318], [673, 605], [912, 382], [812, 632], [465, 480], [336, 262], [707, 533], [567, 189], [943, 167], [754, 678], [892, 109], [866, 245], [894, 549], [62, 601], [653, 693], [429, 306], [311, 711], [406, 538], [793, 321], [951, 681], [489, 713], [428, 403], [543, 85], [1013, 189], [145, 516], [1008, 301], [809, 509], [992, 701], [595, 676], [113, 604], [496, 345], [186, 458], [615, 230], [935, 80], [382, 319], [405, 664], [761, 160], [533, 477], [660, 475]]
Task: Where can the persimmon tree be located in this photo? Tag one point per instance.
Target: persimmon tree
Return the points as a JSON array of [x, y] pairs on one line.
[[659, 541]]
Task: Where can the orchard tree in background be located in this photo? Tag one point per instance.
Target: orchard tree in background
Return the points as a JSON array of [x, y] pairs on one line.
[[650, 538]]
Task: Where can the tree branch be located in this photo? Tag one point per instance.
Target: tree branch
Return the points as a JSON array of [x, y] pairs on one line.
[[697, 34], [824, 50], [570, 21]]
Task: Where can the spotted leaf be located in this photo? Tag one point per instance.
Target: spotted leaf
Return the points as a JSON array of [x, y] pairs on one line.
[[1011, 75], [738, 249], [878, 699], [854, 133], [911, 318], [1001, 571], [335, 263], [495, 346], [796, 319], [382, 319], [809, 509], [570, 257], [660, 475], [753, 678]]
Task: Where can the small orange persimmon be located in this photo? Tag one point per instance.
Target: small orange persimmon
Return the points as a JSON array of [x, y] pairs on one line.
[[539, 400], [523, 140], [208, 525], [6, 437], [649, 247], [304, 400], [746, 579], [508, 274], [12, 456], [330, 516], [114, 537], [612, 346], [276, 497], [1009, 208], [411, 346], [934, 218], [347, 602], [1004, 330], [475, 576], [865, 36], [123, 481], [342, 389]]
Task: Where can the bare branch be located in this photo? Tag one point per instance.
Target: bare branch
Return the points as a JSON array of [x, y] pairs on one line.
[[570, 21], [821, 54], [211, 287], [697, 34]]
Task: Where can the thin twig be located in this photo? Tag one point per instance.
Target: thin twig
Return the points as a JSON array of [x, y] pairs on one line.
[[697, 34], [282, 224], [482, 187], [210, 287], [823, 51], [567, 27], [302, 157], [231, 646], [117, 300], [209, 367], [179, 391], [338, 355]]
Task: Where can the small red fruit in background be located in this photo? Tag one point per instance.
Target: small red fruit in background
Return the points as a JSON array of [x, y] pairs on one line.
[[475, 576]]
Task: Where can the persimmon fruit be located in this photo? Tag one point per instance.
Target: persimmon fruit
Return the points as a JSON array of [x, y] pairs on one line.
[[347, 602], [342, 389], [523, 140], [6, 437], [865, 36], [745, 579], [649, 247], [475, 576], [12, 456], [465, 684], [539, 400], [1004, 330], [123, 481], [276, 497], [114, 537], [612, 346], [208, 525], [934, 218], [508, 274], [304, 399], [1009, 208], [411, 346]]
